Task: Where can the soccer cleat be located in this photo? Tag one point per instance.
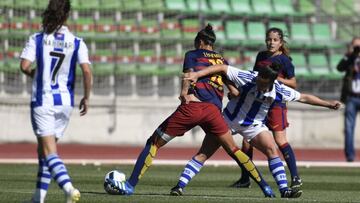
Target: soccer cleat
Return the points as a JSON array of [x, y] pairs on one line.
[[122, 188], [268, 192], [291, 193], [296, 182], [176, 191], [241, 183], [73, 196]]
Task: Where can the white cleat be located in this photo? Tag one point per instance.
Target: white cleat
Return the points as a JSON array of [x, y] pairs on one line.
[[73, 196]]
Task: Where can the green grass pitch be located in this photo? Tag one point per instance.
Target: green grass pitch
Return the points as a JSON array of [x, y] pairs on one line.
[[17, 182]]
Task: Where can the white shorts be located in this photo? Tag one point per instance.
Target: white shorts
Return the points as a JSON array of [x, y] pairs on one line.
[[50, 120], [248, 132]]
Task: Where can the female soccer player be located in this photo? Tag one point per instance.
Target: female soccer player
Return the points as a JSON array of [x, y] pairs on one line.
[[201, 105], [246, 113], [56, 51], [278, 52]]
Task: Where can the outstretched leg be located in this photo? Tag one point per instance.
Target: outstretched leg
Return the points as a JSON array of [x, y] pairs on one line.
[[143, 162], [244, 180], [229, 145]]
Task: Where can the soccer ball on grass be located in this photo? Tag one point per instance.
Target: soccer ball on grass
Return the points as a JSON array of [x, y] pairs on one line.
[[113, 175]]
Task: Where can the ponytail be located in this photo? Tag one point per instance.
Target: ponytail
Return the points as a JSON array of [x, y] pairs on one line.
[[55, 15], [207, 35]]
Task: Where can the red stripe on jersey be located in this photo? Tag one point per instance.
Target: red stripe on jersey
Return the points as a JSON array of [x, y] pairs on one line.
[[199, 68], [203, 60], [203, 85]]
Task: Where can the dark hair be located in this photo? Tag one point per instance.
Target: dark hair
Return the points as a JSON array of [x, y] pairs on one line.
[[207, 35], [284, 49], [268, 69], [55, 15]]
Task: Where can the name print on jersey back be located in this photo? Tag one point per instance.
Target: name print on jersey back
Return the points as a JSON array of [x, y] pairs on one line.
[[207, 89]]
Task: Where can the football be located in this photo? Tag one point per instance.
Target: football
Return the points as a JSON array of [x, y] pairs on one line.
[[113, 175]]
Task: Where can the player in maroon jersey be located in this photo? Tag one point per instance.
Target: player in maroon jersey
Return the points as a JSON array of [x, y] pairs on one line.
[[201, 106], [278, 52]]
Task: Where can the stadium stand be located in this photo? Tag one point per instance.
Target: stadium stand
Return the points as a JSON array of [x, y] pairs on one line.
[[176, 5], [261, 7], [235, 32], [306, 7], [299, 61], [218, 6], [151, 36], [241, 7], [284, 7], [255, 33]]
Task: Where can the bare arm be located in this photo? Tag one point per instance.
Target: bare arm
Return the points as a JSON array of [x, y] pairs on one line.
[[87, 80], [314, 100], [193, 76], [233, 91], [25, 67], [288, 82], [185, 85]]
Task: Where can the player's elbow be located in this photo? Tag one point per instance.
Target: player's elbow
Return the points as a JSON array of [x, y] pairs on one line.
[[25, 66]]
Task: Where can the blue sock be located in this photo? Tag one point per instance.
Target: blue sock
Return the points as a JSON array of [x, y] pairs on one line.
[[192, 168], [143, 162], [58, 172], [43, 181], [278, 171], [290, 159]]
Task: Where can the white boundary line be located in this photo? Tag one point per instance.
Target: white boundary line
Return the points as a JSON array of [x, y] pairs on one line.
[[97, 162]]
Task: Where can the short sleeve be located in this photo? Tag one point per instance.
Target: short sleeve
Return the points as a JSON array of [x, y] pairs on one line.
[[29, 51], [288, 93], [258, 58], [289, 68], [83, 55], [239, 77], [189, 61]]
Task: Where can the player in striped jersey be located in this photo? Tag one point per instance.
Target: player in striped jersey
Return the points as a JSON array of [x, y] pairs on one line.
[[56, 51], [201, 105], [277, 122], [246, 115]]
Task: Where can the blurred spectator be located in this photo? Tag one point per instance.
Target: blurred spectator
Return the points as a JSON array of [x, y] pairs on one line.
[[350, 94]]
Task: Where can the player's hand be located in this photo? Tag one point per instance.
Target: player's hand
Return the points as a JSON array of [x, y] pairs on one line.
[[233, 92], [185, 99], [190, 76], [83, 107], [335, 105]]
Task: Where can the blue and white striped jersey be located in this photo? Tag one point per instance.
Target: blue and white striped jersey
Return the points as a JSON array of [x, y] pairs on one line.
[[252, 106], [56, 56]]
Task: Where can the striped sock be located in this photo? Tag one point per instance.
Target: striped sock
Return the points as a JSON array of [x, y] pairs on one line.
[[43, 181], [278, 171], [290, 159], [191, 169], [59, 172]]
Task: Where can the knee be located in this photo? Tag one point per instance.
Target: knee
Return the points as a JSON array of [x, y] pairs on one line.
[[271, 152]]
